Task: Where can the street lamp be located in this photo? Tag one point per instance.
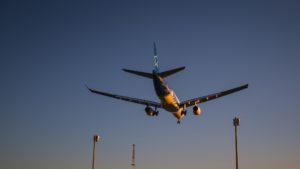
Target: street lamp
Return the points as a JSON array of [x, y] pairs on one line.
[[236, 122], [96, 139]]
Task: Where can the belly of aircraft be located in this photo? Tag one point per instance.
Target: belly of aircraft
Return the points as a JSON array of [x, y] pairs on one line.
[[169, 103]]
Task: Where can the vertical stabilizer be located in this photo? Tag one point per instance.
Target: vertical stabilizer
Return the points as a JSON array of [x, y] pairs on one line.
[[156, 65]]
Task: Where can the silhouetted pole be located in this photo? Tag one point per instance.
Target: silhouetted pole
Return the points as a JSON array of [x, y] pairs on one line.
[[133, 157], [236, 122], [96, 139]]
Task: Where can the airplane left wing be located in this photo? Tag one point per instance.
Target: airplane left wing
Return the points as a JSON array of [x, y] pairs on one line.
[[206, 98], [129, 99]]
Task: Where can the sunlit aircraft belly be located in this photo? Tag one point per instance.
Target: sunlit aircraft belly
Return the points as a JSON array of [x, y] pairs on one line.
[[168, 98], [170, 102]]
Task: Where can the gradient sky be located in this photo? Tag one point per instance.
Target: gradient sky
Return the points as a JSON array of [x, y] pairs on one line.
[[50, 49]]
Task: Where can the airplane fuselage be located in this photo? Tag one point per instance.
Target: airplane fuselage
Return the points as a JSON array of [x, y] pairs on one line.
[[167, 96]]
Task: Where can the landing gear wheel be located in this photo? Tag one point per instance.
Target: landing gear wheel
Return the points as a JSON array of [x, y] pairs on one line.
[[178, 122], [156, 112]]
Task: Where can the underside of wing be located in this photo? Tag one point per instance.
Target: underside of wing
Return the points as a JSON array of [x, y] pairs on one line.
[[206, 98], [125, 98]]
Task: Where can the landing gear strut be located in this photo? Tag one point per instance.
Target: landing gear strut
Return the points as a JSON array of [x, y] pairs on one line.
[[156, 112], [183, 113]]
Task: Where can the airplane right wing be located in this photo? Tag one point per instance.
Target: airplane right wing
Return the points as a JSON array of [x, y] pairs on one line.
[[129, 99], [206, 98]]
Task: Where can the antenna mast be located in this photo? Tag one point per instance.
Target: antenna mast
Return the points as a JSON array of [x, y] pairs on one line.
[[133, 157]]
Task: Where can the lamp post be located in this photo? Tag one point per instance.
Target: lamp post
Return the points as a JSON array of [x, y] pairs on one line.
[[96, 139], [236, 122]]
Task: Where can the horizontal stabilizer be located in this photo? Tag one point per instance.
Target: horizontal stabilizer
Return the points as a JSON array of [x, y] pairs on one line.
[[144, 74], [170, 72]]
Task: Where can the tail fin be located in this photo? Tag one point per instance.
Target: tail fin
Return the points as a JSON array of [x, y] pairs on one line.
[[156, 68], [156, 65]]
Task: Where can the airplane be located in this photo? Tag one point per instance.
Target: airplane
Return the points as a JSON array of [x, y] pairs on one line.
[[168, 99]]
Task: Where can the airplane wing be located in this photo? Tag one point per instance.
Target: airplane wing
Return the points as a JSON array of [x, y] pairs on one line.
[[206, 98], [125, 98]]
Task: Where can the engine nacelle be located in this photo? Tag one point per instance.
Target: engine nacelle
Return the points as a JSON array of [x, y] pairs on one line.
[[196, 110], [150, 112]]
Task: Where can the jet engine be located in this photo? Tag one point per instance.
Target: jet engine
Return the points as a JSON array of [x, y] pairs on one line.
[[150, 112], [196, 110]]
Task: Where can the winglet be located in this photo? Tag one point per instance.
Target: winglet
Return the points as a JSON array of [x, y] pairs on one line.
[[88, 87]]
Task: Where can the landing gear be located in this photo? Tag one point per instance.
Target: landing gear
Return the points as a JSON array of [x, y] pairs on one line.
[[156, 112], [178, 122]]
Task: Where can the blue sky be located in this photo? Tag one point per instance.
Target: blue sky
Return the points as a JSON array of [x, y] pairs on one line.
[[50, 49]]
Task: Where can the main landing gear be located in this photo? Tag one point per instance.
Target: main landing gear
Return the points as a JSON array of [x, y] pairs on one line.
[[183, 113]]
